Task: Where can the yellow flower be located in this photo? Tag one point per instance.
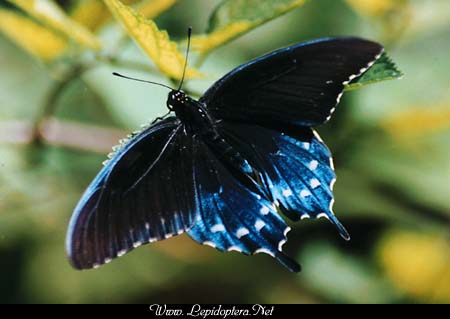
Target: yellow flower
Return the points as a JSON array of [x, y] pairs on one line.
[[418, 264], [33, 37]]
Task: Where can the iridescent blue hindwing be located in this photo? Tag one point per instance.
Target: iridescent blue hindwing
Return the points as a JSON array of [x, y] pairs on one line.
[[296, 168], [233, 214]]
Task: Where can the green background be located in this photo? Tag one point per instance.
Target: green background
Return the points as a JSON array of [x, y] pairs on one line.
[[390, 142]]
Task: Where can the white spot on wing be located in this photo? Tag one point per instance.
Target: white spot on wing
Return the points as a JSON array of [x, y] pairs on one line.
[[217, 228], [355, 75], [305, 193], [331, 163], [265, 210], [306, 145], [169, 235], [234, 248], [259, 224], [287, 193], [362, 70], [96, 266], [313, 165], [120, 253], [286, 231], [241, 232], [322, 215], [209, 243], [137, 244], [332, 183], [314, 183], [281, 243], [264, 251], [331, 205], [305, 216], [107, 260]]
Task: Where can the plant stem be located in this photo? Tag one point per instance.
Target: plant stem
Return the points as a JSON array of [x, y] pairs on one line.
[[51, 104]]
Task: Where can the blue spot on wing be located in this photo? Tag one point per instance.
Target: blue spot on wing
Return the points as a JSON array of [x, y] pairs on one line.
[[234, 216]]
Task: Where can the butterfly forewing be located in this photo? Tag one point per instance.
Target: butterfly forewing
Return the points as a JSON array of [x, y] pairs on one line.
[[144, 194], [301, 84]]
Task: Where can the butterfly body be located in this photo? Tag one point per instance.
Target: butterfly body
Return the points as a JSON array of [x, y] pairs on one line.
[[224, 167], [198, 122], [191, 113]]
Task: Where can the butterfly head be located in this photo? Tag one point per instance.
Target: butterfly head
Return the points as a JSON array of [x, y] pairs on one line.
[[176, 100]]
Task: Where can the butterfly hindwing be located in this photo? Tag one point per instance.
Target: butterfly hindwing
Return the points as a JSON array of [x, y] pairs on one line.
[[300, 84], [295, 166], [144, 194], [233, 216]]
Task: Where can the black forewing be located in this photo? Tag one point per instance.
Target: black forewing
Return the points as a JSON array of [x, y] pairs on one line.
[[301, 84], [144, 194]]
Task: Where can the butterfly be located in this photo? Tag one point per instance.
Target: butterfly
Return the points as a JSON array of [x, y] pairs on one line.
[[225, 167]]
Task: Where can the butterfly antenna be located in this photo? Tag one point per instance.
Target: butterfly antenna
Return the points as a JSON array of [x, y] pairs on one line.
[[139, 80], [187, 56]]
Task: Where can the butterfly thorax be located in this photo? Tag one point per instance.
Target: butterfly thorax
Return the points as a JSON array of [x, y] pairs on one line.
[[198, 121], [192, 114]]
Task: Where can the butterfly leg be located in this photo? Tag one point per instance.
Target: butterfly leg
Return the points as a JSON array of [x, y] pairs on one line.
[[159, 118]]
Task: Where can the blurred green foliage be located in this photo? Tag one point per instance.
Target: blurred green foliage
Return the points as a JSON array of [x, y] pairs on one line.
[[62, 110]]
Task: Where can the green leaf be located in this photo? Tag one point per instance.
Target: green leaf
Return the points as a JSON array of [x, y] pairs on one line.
[[233, 18], [36, 39], [153, 8], [91, 14], [50, 14], [154, 42], [377, 8], [384, 69], [339, 277]]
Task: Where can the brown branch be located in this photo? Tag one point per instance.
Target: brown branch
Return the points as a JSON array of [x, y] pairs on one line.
[[68, 134]]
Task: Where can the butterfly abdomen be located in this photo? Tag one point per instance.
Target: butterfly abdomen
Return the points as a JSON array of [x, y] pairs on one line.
[[228, 153]]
